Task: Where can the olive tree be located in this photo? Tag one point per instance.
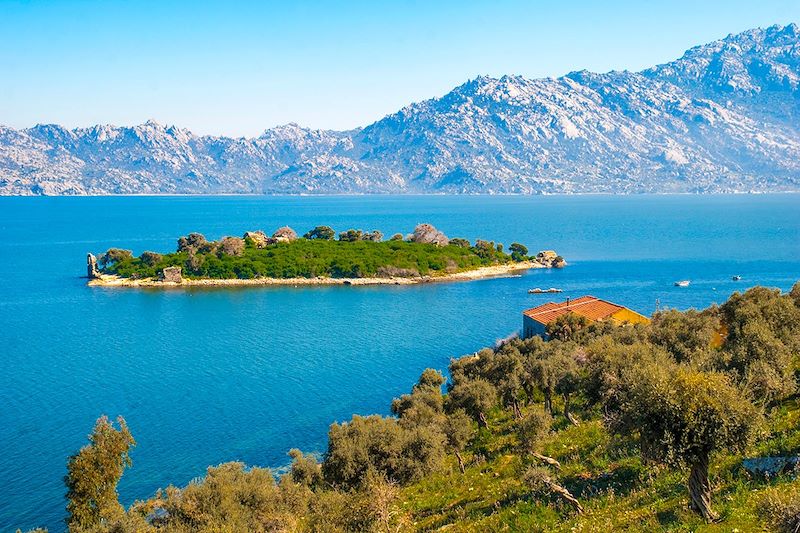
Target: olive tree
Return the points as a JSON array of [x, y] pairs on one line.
[[685, 334], [763, 334], [566, 326], [682, 417], [458, 429], [93, 474], [475, 396]]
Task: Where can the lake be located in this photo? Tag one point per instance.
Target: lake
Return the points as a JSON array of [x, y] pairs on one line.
[[215, 375]]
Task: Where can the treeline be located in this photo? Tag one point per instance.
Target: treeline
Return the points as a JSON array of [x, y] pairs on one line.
[[354, 254], [680, 392]]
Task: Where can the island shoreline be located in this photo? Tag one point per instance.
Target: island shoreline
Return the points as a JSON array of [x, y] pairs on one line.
[[487, 272]]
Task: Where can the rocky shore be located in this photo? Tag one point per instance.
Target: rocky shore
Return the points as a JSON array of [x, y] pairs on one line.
[[495, 271]]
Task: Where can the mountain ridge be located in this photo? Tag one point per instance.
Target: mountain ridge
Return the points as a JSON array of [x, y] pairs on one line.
[[721, 118]]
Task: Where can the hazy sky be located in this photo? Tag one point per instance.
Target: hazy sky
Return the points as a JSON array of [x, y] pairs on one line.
[[236, 68]]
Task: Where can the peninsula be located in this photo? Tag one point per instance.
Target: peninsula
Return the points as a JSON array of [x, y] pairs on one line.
[[319, 257]]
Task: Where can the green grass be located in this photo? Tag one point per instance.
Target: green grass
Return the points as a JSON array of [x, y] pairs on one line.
[[618, 491], [311, 258]]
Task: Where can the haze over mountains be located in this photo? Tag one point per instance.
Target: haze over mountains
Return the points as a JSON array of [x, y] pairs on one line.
[[725, 117]]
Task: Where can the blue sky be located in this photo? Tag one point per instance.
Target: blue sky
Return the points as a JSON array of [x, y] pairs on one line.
[[237, 68]]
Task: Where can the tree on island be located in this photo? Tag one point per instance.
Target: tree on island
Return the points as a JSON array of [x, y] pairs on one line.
[[351, 235], [518, 251], [114, 255], [324, 233], [93, 474]]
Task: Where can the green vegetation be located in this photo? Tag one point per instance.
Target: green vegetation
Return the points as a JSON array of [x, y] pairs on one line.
[[630, 428], [356, 254]]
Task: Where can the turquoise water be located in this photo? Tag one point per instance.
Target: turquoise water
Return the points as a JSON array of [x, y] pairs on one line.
[[207, 376]]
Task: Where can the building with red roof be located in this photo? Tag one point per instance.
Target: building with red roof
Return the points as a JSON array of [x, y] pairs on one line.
[[535, 320]]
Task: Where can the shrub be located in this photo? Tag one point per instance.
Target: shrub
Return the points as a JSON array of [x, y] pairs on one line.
[[379, 444], [93, 474], [780, 508]]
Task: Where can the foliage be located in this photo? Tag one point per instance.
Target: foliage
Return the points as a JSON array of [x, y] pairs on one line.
[[652, 400], [685, 335], [518, 251], [383, 445], [325, 233], [763, 341], [356, 254], [566, 326], [781, 509], [93, 474]]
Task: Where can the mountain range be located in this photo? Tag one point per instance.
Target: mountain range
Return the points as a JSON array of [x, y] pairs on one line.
[[725, 117]]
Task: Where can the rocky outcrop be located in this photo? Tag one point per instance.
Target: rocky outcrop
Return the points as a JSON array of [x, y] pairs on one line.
[[258, 238], [285, 234], [772, 466], [171, 275], [91, 267], [550, 259], [426, 233]]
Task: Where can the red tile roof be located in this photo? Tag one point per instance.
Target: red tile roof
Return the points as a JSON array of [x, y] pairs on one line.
[[586, 306]]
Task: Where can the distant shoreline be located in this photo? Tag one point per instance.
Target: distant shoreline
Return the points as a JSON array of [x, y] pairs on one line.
[[400, 194], [494, 271]]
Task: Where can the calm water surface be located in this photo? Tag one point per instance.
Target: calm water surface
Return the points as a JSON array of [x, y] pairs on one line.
[[207, 376]]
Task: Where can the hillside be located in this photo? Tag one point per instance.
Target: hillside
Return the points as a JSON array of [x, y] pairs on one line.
[[722, 118], [689, 423]]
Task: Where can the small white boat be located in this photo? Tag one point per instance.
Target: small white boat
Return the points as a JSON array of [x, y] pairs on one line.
[[737, 278], [682, 283], [537, 290]]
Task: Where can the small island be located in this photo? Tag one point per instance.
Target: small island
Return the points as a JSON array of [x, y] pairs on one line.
[[319, 257]]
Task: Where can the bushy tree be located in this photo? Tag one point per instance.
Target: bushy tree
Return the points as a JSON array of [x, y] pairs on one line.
[[113, 256], [458, 430], [351, 235], [763, 336], [305, 469], [685, 335], [475, 396], [397, 237], [566, 327], [193, 241], [324, 233], [518, 251], [682, 417], [425, 405], [229, 498], [383, 445], [794, 294], [233, 246], [461, 243], [532, 429], [150, 258], [93, 474]]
